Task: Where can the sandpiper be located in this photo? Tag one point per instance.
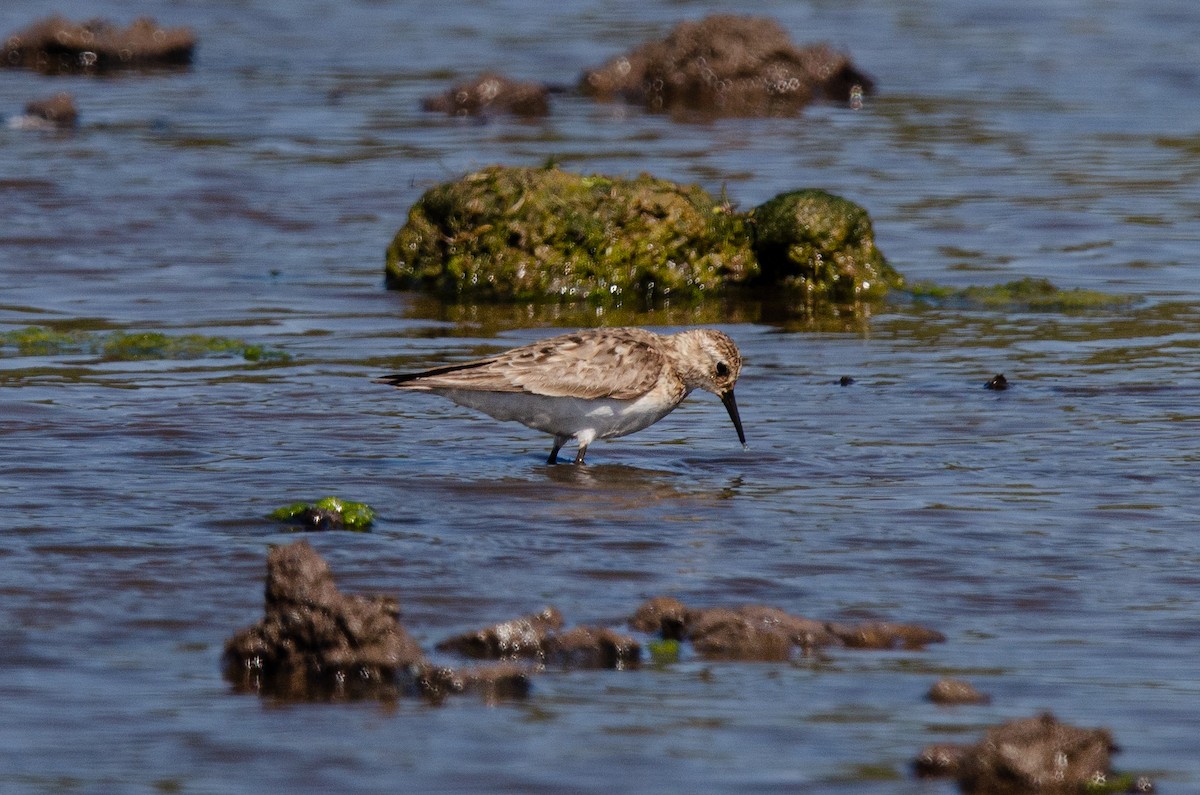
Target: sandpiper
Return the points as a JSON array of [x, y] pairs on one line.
[[588, 385]]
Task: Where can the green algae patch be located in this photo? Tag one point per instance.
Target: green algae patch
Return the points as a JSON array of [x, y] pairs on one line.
[[545, 234], [1029, 294], [549, 236], [328, 513], [124, 346], [41, 341], [663, 652], [820, 245]]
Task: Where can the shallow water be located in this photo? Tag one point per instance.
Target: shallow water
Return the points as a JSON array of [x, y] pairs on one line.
[[1048, 530]]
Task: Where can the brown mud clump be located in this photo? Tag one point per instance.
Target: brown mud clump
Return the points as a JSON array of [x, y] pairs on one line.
[[57, 45], [491, 94], [315, 642], [1031, 755], [764, 633], [728, 66], [538, 638]]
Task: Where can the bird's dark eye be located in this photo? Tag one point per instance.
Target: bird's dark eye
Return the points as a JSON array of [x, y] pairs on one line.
[[722, 369]]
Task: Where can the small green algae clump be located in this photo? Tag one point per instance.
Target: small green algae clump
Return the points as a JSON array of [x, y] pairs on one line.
[[822, 244], [545, 234], [1029, 294], [123, 347], [664, 651], [329, 513]]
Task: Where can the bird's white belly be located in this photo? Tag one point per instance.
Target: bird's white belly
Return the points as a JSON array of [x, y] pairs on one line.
[[599, 418]]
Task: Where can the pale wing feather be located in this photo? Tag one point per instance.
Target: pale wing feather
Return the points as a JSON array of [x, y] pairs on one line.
[[621, 364]]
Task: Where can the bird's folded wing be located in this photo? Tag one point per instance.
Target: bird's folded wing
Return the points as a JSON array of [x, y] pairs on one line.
[[582, 366]]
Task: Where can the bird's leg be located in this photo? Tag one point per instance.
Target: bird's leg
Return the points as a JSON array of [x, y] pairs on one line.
[[559, 441], [580, 453]]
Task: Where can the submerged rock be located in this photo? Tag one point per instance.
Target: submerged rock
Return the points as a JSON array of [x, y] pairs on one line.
[[493, 682], [594, 647], [729, 635], [518, 638], [315, 642], [754, 632], [549, 235], [885, 635], [956, 691], [1031, 755], [126, 346], [1022, 295], [55, 45], [53, 113], [328, 513], [760, 632], [662, 615], [488, 94], [940, 761], [727, 65], [537, 637]]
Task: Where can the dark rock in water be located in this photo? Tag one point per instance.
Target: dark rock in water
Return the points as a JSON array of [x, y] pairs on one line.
[[593, 647], [488, 94], [940, 761], [322, 519], [56, 45], [885, 635], [536, 637], [1030, 755], [807, 633], [493, 682], [749, 632], [1036, 755], [761, 632], [731, 635], [327, 513], [726, 65], [845, 380], [519, 638], [663, 615], [997, 382], [54, 113], [956, 691], [315, 642]]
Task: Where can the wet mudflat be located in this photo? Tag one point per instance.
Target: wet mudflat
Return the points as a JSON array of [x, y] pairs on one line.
[[1046, 530]]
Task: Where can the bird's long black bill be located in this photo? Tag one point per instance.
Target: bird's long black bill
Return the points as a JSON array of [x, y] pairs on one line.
[[731, 407]]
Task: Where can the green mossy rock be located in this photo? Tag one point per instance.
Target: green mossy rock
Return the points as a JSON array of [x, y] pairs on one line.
[[544, 234], [328, 513], [822, 245]]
